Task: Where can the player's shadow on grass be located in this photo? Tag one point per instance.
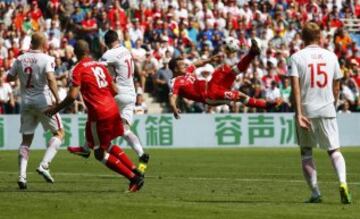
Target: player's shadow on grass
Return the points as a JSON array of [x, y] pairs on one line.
[[257, 202], [60, 191], [243, 202]]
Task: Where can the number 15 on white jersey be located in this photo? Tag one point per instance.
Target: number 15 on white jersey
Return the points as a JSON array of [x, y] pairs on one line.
[[316, 69]]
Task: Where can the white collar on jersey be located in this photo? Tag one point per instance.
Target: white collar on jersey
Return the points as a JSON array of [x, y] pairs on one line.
[[117, 46], [313, 46], [34, 51]]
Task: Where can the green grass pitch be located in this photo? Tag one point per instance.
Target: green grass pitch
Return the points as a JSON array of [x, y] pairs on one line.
[[181, 183]]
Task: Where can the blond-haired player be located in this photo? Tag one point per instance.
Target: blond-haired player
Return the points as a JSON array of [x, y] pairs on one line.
[[315, 75], [35, 70]]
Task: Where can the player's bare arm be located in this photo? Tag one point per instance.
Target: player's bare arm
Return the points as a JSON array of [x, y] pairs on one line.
[[12, 99], [203, 62], [82, 102], [51, 79], [173, 99], [70, 98], [336, 90], [300, 118]]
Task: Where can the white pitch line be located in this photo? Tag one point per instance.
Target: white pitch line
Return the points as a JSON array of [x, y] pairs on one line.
[[189, 178]]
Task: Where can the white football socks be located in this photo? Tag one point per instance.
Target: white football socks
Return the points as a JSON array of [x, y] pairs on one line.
[[310, 174], [23, 160], [134, 142], [338, 162], [53, 147]]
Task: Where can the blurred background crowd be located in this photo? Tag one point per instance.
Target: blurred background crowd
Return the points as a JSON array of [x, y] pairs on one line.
[[157, 30]]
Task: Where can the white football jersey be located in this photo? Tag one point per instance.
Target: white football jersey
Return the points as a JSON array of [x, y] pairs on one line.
[[316, 68], [121, 65], [32, 68]]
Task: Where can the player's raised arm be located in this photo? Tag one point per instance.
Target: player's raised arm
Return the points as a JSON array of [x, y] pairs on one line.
[[202, 62]]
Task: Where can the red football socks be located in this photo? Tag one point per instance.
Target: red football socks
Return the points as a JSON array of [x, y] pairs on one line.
[[120, 154], [76, 149], [258, 103], [116, 165], [231, 95], [245, 62]]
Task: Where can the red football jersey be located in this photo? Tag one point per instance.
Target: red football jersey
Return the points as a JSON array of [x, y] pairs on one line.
[[95, 86], [189, 86]]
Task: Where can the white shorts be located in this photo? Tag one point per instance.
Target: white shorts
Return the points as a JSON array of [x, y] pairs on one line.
[[324, 132], [31, 117], [126, 104]]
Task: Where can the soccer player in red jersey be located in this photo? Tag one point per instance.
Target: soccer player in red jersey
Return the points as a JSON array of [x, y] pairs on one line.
[[92, 79], [218, 89]]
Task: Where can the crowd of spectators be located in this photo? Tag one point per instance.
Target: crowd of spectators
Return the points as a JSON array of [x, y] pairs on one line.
[[157, 30]]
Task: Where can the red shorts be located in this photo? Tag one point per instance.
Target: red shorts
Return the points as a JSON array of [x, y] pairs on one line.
[[219, 87], [101, 133]]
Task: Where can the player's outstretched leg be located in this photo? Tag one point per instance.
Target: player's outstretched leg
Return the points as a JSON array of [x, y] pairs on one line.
[[221, 96], [257, 103], [250, 101], [135, 144], [24, 151], [115, 164], [53, 146], [339, 165], [83, 151], [245, 62], [121, 155], [310, 174]]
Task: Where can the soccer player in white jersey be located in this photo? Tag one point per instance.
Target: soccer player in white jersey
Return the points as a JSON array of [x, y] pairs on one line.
[[315, 74], [121, 65], [38, 87]]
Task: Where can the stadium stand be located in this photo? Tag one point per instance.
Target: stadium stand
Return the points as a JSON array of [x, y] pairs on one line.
[[156, 30]]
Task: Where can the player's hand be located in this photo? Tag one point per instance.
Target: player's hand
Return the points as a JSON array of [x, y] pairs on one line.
[[177, 113], [303, 122], [50, 111]]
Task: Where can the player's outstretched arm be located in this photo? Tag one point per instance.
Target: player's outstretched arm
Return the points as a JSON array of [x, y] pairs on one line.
[[53, 86], [302, 121], [202, 62], [70, 98], [173, 99]]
